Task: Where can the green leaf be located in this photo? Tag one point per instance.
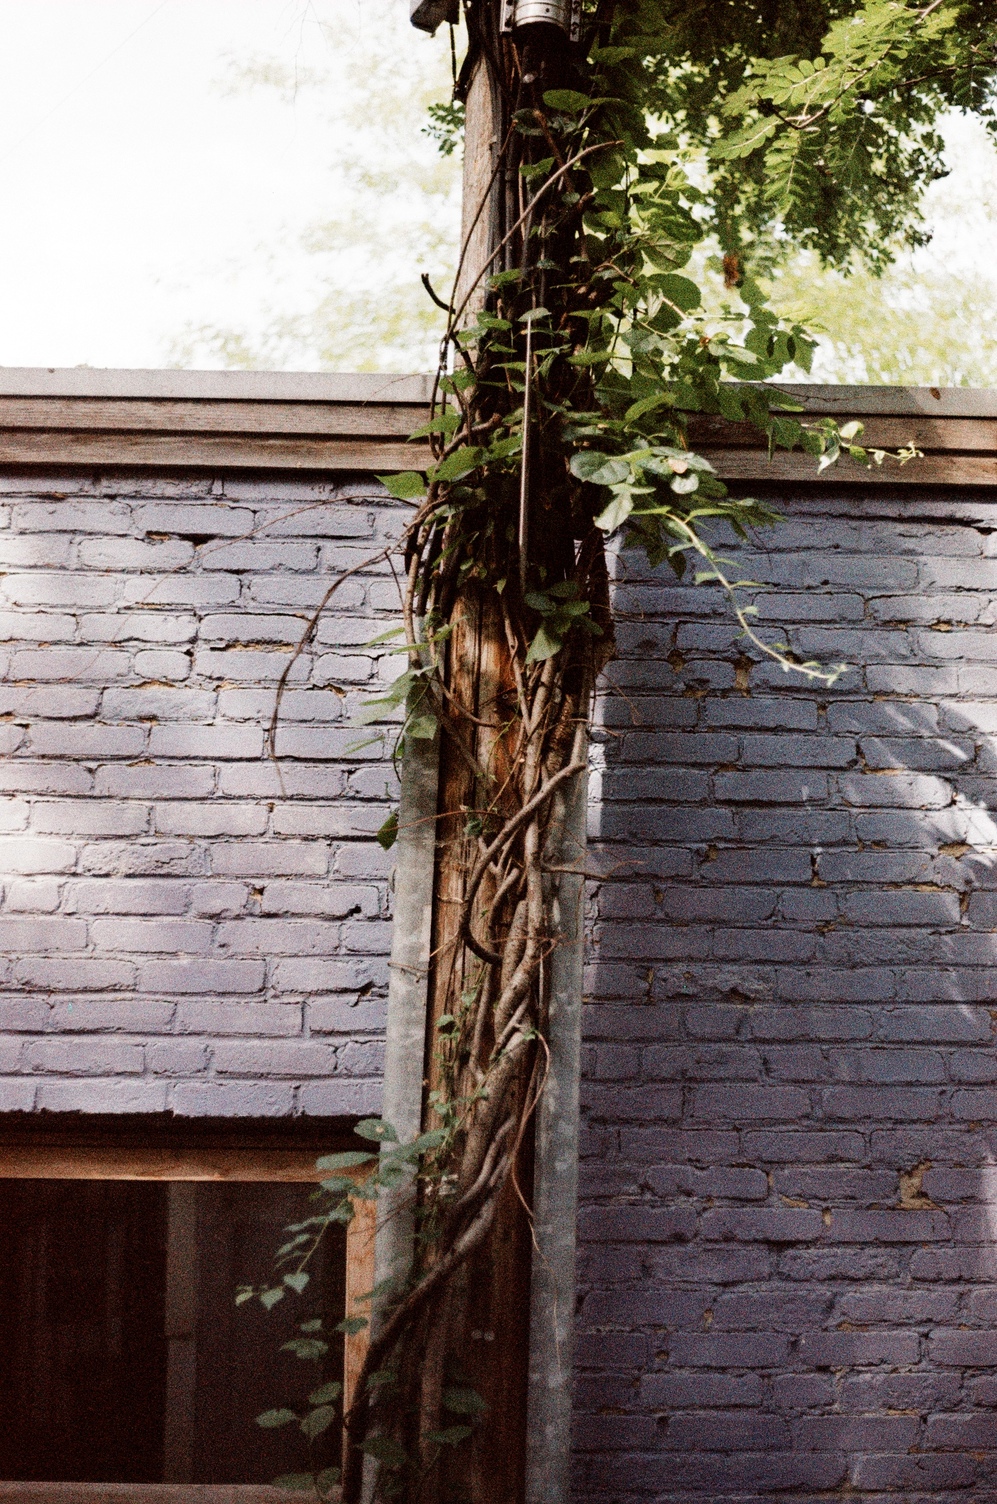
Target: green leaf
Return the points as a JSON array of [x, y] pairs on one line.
[[451, 1437], [599, 469], [684, 485], [326, 1394], [566, 101], [296, 1481], [328, 1478], [681, 291], [385, 1449], [616, 513], [349, 1160], [270, 1298], [270, 1420], [463, 1401], [445, 423], [388, 833], [377, 1130], [421, 728], [297, 1281], [351, 1325], [317, 1421], [459, 464], [308, 1349], [545, 644], [407, 486]]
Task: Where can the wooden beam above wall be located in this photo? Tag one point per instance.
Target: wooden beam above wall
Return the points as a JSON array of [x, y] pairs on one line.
[[308, 421]]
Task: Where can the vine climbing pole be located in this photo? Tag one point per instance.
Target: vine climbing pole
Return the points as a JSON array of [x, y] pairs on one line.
[[485, 1339], [510, 752]]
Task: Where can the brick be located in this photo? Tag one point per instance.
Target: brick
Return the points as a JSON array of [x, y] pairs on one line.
[[131, 553], [903, 790], [159, 663], [230, 1099], [169, 935], [638, 1224], [856, 1433], [84, 1057], [856, 1349], [902, 1472], [138, 626], [248, 1017], [94, 664], [33, 895], [333, 900], [201, 977], [201, 741], [750, 1350], [255, 1058], [132, 897], [771, 788], [155, 703], [62, 740], [270, 858], [25, 935], [81, 974], [141, 781], [339, 1097], [762, 1224], [215, 817], [101, 1095]]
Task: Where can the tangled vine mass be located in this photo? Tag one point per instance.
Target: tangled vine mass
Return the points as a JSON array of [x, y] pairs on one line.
[[576, 362]]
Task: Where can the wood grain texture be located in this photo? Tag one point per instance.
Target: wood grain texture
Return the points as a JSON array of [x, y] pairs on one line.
[[360, 1235], [41, 1162], [205, 451], [950, 469], [128, 415], [147, 1493]]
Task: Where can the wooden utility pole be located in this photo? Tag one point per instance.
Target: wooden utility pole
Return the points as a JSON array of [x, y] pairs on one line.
[[483, 1340]]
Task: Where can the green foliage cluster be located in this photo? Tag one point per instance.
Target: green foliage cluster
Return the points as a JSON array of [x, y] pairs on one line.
[[819, 117]]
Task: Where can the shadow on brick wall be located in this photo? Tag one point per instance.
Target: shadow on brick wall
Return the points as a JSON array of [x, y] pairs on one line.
[[788, 1280]]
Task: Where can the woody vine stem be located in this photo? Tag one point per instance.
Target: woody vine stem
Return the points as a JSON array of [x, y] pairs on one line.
[[561, 418]]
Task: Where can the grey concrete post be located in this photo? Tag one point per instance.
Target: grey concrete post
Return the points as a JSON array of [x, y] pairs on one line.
[[555, 1191]]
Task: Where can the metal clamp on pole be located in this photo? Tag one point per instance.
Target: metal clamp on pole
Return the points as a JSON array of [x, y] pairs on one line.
[[566, 15]]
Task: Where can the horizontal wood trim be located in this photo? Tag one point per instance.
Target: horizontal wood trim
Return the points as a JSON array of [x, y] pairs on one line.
[[326, 419], [941, 435], [226, 386], [148, 1493], [207, 451], [60, 1162], [279, 421], [950, 469], [858, 401]]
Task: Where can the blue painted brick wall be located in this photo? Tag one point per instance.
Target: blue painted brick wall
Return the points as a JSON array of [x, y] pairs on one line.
[[788, 1277], [186, 925]]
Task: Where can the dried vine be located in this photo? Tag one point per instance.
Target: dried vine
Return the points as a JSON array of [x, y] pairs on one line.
[[561, 416]]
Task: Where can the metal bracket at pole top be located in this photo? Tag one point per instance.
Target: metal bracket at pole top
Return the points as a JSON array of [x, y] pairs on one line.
[[566, 15], [427, 15]]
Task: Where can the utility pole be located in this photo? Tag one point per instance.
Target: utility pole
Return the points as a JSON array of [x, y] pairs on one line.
[[507, 1325]]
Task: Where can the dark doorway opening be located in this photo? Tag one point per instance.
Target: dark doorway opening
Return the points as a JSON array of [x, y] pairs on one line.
[[123, 1357]]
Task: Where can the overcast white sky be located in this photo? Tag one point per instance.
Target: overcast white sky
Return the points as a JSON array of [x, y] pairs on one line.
[[141, 196], [136, 191]]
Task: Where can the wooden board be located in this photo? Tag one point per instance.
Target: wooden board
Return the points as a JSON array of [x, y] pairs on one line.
[[146, 1493], [206, 451], [276, 1166]]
